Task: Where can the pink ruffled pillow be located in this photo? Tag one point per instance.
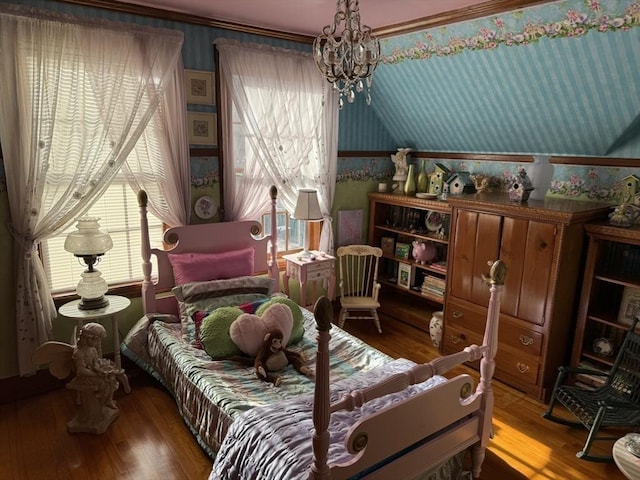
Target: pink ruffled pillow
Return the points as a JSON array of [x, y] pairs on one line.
[[201, 267]]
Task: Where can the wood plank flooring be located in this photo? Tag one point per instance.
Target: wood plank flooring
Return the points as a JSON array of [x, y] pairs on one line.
[[150, 441]]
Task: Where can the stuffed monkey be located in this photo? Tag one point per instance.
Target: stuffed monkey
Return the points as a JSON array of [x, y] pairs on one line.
[[273, 356]]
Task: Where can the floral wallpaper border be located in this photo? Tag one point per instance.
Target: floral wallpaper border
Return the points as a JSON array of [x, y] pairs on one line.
[[601, 184], [563, 19], [572, 181]]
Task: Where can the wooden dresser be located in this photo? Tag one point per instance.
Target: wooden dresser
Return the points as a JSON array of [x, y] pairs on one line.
[[541, 243]]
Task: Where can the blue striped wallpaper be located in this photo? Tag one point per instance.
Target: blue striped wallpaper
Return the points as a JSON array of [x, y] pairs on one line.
[[561, 78]]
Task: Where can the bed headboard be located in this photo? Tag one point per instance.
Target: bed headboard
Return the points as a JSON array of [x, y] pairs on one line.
[[204, 238]]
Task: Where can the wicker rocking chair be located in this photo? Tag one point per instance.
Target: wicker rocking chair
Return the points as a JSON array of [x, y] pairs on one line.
[[615, 404]]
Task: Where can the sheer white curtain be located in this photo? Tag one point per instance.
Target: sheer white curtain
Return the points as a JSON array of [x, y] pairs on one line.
[[76, 95], [159, 163], [289, 113]]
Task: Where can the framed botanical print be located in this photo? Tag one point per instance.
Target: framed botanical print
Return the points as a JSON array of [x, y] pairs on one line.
[[199, 87], [202, 128]]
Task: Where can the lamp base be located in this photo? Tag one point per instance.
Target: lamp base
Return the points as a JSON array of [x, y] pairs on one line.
[[93, 303]]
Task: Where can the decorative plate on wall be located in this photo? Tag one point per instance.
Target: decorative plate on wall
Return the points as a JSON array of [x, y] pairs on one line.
[[433, 221], [205, 207]]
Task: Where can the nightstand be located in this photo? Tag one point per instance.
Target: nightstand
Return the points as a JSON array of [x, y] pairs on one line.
[[304, 270], [116, 305]]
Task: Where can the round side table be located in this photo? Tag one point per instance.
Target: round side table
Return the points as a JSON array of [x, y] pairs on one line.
[[116, 305], [626, 461]]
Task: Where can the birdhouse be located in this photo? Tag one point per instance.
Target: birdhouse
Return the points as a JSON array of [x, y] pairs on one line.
[[629, 188], [444, 172], [438, 178], [521, 187], [461, 182], [435, 183]]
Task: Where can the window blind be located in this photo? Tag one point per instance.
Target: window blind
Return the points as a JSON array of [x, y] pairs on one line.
[[119, 216]]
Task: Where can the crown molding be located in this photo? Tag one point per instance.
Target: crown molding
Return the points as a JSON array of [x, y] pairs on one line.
[[479, 10], [488, 8]]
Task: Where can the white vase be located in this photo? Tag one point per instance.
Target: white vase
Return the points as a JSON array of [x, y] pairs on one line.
[[435, 328], [541, 173]]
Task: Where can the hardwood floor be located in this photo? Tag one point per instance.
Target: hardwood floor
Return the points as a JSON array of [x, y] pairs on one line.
[[150, 441]]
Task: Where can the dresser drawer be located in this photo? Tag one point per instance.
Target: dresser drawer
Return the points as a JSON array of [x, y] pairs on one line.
[[474, 318], [318, 274], [514, 367], [456, 339], [319, 268], [470, 319], [520, 338]]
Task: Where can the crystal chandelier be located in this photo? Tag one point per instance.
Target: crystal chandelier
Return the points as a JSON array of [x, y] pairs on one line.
[[347, 58]]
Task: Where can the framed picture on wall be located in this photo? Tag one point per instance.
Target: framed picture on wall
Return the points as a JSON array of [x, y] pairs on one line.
[[630, 302], [350, 227], [199, 87], [202, 128]]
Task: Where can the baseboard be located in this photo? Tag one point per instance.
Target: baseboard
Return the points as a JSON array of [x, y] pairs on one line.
[[14, 389]]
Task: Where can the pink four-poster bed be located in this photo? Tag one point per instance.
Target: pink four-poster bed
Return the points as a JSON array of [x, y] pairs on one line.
[[365, 416]]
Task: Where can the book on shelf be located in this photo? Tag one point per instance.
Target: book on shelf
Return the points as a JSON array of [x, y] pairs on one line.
[[403, 250], [439, 296], [433, 286], [434, 282], [440, 266], [406, 275], [388, 245]]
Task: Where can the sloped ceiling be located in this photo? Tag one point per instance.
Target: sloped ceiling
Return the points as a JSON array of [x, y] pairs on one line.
[[559, 79], [555, 77]]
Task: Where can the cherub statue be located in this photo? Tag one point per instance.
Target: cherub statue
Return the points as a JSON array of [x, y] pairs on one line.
[[400, 161], [95, 380], [91, 369]]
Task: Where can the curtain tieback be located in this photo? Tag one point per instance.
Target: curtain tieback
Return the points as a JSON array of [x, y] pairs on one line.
[[28, 241]]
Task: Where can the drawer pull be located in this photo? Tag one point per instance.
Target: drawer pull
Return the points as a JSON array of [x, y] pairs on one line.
[[455, 339], [522, 368], [526, 340], [457, 314]]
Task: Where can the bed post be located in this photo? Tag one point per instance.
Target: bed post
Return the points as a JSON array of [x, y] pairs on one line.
[[273, 262], [148, 294], [323, 313], [487, 364]]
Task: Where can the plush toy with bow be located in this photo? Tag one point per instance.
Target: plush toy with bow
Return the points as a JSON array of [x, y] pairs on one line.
[[264, 338], [273, 356]]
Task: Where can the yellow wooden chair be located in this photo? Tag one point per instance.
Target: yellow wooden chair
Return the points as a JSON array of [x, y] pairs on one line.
[[359, 285]]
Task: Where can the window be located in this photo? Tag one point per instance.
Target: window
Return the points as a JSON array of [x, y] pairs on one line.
[[282, 130], [290, 231], [119, 216]]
